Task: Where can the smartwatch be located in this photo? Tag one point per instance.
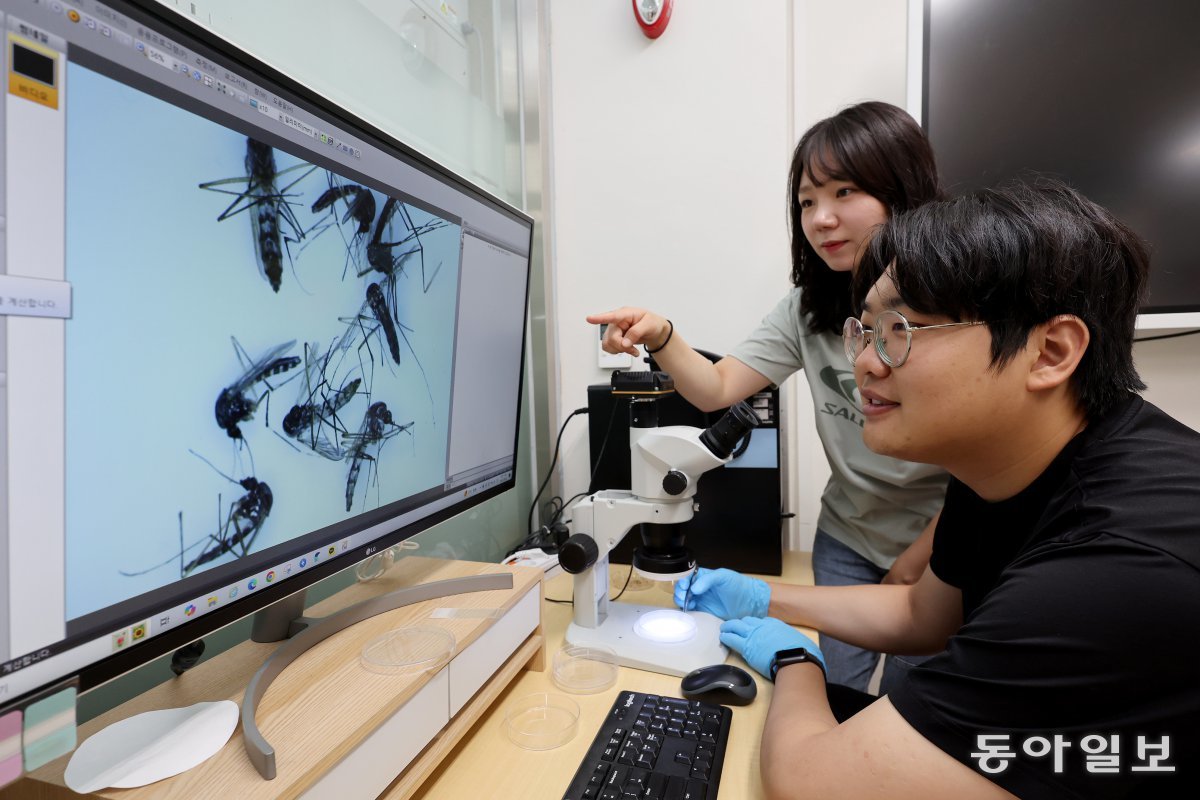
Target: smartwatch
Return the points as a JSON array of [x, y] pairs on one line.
[[794, 655]]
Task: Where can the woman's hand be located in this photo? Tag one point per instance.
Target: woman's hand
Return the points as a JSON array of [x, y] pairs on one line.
[[911, 564], [629, 327]]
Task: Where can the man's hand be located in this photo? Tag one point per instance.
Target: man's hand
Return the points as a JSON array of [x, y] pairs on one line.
[[723, 593], [758, 640], [629, 327]]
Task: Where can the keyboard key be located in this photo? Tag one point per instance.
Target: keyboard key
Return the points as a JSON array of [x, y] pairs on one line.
[[621, 760]]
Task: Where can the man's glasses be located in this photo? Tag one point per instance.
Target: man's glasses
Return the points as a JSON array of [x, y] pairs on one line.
[[892, 335]]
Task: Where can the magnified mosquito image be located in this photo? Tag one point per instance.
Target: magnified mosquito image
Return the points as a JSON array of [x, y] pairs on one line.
[[301, 313]]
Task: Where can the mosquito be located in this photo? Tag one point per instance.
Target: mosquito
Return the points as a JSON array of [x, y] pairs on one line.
[[314, 421], [377, 427], [235, 532], [234, 406], [359, 203], [375, 319], [382, 256], [269, 206]]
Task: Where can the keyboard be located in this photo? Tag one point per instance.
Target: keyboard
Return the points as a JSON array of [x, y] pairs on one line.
[[654, 748]]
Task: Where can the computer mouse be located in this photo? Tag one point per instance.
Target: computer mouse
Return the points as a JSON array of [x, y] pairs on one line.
[[724, 684]]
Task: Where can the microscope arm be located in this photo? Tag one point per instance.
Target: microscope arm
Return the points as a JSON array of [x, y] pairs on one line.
[[606, 517]]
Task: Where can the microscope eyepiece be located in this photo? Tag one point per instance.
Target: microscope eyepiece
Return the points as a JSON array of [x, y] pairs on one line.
[[726, 432]]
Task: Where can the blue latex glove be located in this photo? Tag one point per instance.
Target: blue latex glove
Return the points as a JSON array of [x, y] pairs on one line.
[[724, 593], [758, 640]]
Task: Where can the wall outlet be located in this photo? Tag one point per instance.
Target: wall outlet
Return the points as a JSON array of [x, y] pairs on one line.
[[610, 360]]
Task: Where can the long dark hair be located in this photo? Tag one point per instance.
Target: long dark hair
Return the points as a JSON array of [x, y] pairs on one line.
[[881, 150]]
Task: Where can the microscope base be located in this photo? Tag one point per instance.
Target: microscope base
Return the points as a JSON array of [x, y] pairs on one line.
[[616, 632]]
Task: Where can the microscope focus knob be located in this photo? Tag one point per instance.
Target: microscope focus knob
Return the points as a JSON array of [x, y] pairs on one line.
[[674, 482], [578, 553]]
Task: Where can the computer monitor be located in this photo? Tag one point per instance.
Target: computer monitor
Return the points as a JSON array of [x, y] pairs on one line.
[[245, 339]]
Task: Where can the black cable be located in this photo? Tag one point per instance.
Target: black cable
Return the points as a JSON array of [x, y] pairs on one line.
[[603, 445], [617, 596], [562, 510], [626, 586], [553, 461], [1167, 336]]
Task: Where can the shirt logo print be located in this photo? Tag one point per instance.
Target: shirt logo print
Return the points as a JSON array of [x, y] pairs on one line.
[[842, 383]]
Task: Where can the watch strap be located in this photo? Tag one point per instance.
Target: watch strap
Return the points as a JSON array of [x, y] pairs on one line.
[[793, 655]]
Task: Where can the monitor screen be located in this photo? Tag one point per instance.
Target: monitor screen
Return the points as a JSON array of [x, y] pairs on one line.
[[1103, 93], [245, 339]]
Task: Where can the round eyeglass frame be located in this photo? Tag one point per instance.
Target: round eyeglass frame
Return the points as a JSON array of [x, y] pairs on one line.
[[854, 336]]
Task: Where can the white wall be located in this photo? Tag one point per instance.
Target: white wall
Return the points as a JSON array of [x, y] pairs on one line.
[[670, 161], [669, 178]]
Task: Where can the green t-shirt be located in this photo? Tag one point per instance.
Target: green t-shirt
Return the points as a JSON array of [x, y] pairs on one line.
[[875, 505]]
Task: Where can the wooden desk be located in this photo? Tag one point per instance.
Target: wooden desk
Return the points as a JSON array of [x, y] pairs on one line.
[[325, 708], [485, 764], [472, 758]]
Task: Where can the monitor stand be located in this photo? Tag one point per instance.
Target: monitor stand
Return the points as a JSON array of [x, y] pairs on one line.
[[312, 632], [155, 745]]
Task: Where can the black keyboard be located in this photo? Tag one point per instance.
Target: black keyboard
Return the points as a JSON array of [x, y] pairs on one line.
[[654, 748]]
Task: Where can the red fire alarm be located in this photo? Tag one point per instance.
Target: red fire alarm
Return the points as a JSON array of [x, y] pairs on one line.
[[652, 16]]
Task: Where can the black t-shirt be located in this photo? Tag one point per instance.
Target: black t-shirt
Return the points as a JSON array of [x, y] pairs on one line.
[[1081, 609]]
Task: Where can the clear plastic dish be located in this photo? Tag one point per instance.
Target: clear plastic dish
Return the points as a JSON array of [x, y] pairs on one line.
[[585, 669], [408, 651], [541, 721], [665, 626]]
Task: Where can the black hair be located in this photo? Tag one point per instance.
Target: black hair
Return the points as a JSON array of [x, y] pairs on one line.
[[881, 150], [1014, 257]]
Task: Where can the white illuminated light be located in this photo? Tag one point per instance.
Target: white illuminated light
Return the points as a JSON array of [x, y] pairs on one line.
[[665, 627]]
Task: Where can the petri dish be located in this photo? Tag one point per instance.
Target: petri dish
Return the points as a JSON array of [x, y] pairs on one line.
[[584, 669], [541, 721], [665, 626], [408, 651]]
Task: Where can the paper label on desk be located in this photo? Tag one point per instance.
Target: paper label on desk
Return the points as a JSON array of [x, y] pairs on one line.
[[49, 728], [151, 746], [466, 613]]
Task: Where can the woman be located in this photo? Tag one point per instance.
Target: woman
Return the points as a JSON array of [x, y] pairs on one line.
[[849, 173]]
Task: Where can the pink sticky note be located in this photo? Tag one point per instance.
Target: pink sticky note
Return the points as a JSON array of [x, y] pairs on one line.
[[10, 747]]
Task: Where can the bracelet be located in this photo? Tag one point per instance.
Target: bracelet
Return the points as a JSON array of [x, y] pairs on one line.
[[670, 332]]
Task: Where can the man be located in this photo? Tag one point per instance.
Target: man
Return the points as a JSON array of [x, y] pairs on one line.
[[996, 341]]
